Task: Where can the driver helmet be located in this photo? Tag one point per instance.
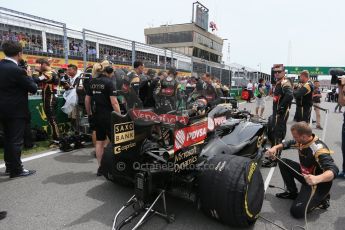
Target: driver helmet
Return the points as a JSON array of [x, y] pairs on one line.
[[200, 106]]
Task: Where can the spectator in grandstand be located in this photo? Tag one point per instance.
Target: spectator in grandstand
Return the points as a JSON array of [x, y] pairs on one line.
[[14, 88]]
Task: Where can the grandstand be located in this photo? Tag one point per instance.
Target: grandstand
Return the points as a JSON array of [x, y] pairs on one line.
[[42, 37]]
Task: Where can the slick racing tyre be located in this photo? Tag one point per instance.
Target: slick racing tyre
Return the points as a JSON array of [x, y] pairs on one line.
[[114, 169], [231, 189]]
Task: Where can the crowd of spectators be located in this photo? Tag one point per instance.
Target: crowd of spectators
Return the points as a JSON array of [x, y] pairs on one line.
[[55, 46], [32, 41], [29, 41], [76, 49]]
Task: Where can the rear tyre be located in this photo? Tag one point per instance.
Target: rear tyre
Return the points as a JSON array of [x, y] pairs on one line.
[[231, 190], [114, 169]]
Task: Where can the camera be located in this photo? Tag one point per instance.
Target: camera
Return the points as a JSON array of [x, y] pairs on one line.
[[336, 73]]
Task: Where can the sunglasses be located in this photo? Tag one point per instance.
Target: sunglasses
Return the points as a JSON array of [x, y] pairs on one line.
[[277, 71]]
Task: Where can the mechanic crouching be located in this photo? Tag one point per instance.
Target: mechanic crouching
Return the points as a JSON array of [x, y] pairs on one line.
[[103, 94], [315, 171]]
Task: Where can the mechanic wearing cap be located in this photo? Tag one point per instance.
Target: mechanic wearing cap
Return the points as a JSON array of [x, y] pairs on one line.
[[49, 82], [102, 92], [315, 168], [282, 98], [304, 98], [165, 94]]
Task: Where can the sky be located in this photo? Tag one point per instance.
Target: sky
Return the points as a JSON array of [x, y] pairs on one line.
[[260, 32]]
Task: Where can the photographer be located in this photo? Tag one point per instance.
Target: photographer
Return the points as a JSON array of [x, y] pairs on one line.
[[341, 101], [15, 84]]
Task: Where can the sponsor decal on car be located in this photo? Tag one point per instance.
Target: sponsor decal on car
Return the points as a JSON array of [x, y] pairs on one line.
[[219, 120], [186, 154], [184, 158], [165, 118], [190, 135], [123, 132], [119, 148]]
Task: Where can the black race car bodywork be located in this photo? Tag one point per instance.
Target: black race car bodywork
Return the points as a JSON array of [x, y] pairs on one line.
[[214, 156]]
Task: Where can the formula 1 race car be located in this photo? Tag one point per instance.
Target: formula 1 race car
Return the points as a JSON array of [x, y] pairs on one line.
[[211, 159]]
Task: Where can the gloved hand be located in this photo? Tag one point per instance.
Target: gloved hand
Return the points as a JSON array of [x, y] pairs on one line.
[[91, 120]]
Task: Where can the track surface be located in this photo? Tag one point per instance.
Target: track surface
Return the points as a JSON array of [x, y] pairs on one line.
[[66, 194]]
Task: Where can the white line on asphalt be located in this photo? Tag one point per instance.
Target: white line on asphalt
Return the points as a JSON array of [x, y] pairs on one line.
[[36, 157], [269, 177]]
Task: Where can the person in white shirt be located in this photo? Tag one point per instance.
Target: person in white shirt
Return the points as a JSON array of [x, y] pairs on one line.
[[250, 90]]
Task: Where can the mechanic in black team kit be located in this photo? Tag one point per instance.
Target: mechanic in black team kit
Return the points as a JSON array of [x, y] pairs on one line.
[[205, 89], [165, 93], [102, 92], [49, 80], [304, 97], [282, 98], [315, 170]]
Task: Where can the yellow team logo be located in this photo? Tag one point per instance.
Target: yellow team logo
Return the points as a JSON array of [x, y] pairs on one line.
[[41, 112], [260, 141]]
